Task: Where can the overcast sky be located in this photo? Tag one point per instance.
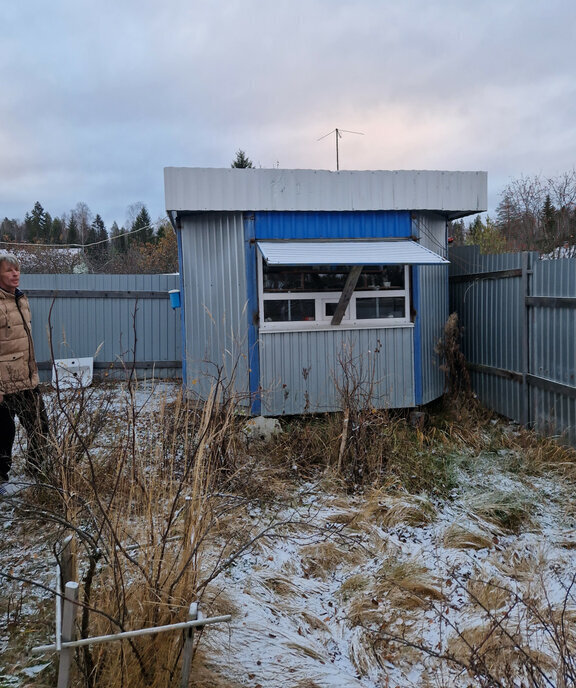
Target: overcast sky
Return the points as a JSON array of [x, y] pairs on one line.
[[97, 98]]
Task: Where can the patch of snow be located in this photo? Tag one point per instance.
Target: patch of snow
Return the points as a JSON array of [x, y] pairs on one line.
[[294, 624]]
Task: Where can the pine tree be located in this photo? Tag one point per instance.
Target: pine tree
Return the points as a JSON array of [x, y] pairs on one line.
[[457, 231], [242, 160], [487, 236], [57, 231], [142, 228], [72, 236], [117, 234], [36, 222], [97, 242], [549, 224]]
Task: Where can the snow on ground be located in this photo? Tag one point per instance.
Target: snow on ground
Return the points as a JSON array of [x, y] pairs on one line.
[[313, 603], [292, 627]]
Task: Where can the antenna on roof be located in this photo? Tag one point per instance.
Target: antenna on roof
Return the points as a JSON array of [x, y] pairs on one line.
[[338, 133]]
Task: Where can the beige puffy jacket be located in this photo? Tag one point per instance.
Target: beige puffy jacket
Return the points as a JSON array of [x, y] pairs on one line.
[[18, 370]]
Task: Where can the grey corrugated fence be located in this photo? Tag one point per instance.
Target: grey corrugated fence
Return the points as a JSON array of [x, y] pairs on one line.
[[519, 318], [126, 318]]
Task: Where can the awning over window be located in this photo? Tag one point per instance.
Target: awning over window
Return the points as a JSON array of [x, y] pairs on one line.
[[393, 252]]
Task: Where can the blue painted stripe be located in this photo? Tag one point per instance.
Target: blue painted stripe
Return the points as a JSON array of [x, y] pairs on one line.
[[252, 314], [333, 225]]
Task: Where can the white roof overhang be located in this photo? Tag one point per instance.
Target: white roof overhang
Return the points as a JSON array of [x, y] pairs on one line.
[[393, 252], [198, 190]]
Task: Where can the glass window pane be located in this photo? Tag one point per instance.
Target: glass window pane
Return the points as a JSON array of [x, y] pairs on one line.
[[301, 279], [289, 311], [379, 307], [381, 277], [282, 279], [325, 278], [322, 278]]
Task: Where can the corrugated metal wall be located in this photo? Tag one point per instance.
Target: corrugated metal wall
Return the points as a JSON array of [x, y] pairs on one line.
[[218, 265], [431, 283], [519, 319], [552, 351], [432, 314], [302, 371], [332, 225], [213, 272], [130, 315], [490, 311], [298, 369]]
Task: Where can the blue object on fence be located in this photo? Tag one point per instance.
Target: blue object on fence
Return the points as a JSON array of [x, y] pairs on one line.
[[174, 298]]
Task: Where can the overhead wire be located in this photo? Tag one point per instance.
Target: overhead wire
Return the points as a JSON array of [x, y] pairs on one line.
[[93, 243]]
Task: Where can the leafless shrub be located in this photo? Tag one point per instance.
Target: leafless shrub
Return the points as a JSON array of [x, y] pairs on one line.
[[453, 361], [141, 506]]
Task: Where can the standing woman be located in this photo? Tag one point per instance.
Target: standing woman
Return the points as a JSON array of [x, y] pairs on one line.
[[19, 393]]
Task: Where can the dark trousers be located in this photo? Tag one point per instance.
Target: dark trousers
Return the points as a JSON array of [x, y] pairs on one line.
[[28, 405]]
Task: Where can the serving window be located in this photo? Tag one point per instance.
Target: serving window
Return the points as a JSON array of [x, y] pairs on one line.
[[324, 296]]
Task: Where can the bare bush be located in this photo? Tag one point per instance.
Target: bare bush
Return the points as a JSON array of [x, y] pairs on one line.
[[453, 360]]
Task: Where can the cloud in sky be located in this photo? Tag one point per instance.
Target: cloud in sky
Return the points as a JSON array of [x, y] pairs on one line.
[[98, 98]]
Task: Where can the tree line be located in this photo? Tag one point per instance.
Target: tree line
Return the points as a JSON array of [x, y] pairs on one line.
[[535, 213], [79, 241]]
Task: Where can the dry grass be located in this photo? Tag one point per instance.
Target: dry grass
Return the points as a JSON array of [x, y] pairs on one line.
[[142, 508], [506, 510], [497, 651], [469, 536], [156, 505], [407, 584], [389, 510], [320, 560], [522, 564], [488, 594], [354, 585]]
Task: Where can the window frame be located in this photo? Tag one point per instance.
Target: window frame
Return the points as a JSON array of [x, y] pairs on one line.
[[321, 320]]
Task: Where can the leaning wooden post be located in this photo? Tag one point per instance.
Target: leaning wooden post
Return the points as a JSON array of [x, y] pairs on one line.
[[68, 560], [188, 646], [68, 619]]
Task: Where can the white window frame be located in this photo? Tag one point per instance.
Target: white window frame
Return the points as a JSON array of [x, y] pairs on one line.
[[322, 321]]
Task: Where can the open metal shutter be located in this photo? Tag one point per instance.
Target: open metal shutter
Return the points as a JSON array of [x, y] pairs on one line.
[[394, 252]]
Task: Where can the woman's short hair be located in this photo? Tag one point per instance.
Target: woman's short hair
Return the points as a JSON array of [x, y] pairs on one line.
[[9, 258]]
